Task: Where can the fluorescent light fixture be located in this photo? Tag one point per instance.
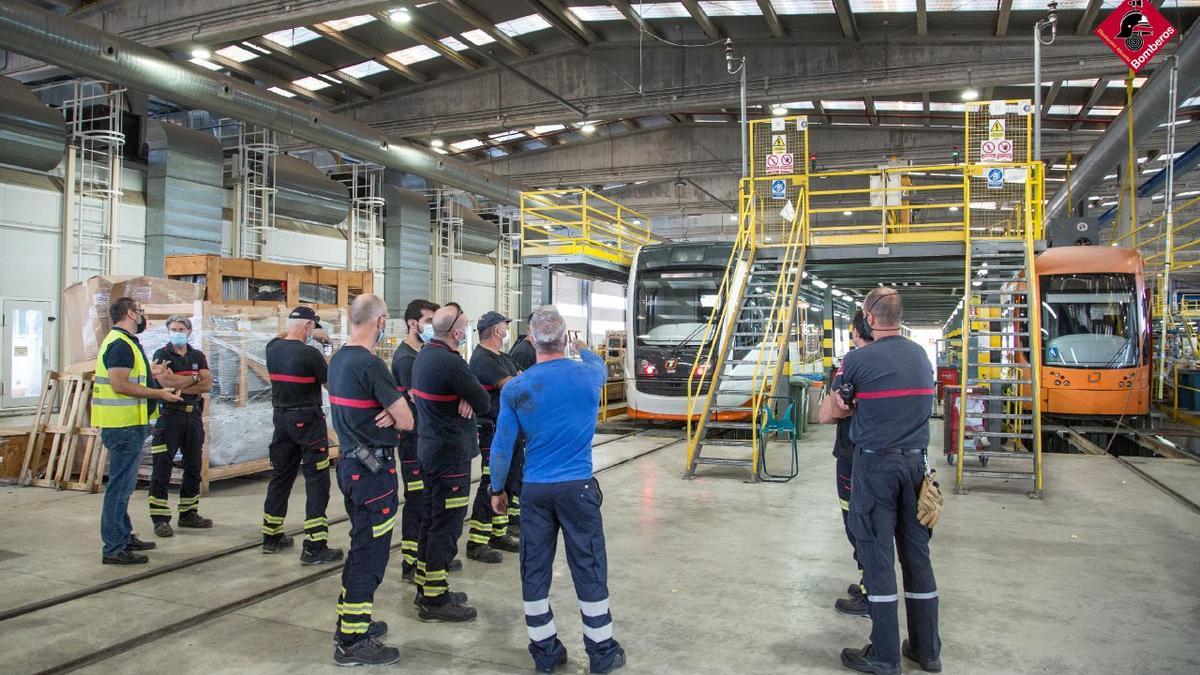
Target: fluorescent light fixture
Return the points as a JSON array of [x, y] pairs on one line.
[[970, 95], [733, 217], [205, 63], [400, 15], [437, 143], [779, 110], [587, 129], [201, 53]]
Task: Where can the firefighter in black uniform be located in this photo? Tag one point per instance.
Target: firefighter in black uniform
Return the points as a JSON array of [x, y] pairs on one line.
[[522, 352], [889, 384], [448, 396], [843, 450], [180, 428], [367, 412], [297, 371], [418, 317], [488, 531]]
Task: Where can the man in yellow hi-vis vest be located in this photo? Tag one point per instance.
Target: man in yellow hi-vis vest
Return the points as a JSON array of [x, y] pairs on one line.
[[122, 408]]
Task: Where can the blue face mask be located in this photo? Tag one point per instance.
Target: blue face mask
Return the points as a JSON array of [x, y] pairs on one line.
[[178, 339], [426, 332]]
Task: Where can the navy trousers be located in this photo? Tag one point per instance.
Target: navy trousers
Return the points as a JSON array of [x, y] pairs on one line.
[[574, 508], [447, 495], [183, 432], [845, 469], [299, 445], [371, 502], [413, 516], [883, 509]]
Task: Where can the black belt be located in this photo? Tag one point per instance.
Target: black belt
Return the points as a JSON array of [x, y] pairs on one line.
[[179, 407], [896, 451], [290, 408]]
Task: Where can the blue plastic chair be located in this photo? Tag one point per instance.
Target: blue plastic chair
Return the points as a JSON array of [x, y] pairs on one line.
[[783, 424]]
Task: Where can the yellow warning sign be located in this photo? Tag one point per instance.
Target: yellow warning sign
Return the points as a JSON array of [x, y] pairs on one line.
[[778, 144], [996, 130]]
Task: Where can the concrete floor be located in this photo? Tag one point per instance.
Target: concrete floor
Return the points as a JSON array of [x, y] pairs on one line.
[[708, 576]]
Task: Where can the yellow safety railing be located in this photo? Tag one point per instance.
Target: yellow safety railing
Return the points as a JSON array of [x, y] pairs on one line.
[[581, 222]]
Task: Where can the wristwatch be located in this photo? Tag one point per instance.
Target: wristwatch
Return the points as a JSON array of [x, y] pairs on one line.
[[195, 379]]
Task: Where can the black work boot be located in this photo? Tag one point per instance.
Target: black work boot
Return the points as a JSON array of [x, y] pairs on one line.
[[193, 519], [505, 543], [484, 553], [561, 660], [862, 661], [852, 606], [617, 662], [163, 529], [856, 591], [456, 598], [446, 613], [377, 630], [276, 543], [927, 665], [365, 652], [454, 566], [125, 557], [136, 544], [408, 574], [320, 556]]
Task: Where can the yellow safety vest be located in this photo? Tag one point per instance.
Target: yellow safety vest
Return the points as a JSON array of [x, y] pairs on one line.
[[111, 410]]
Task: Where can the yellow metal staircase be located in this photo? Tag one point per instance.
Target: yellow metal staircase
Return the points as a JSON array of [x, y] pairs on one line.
[[745, 347]]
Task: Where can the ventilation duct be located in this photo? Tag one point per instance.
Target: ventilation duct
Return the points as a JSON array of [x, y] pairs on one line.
[[303, 192], [32, 135], [184, 193], [408, 248], [478, 235]]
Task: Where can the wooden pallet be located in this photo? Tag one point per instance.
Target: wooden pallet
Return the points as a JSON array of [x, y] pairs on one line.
[[63, 452]]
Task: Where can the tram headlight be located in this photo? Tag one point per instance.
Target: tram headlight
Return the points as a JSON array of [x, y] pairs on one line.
[[647, 368]]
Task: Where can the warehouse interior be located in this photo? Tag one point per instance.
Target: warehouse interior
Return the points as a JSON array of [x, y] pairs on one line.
[[706, 191]]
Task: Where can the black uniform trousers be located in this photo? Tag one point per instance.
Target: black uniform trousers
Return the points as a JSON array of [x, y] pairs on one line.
[[413, 515], [574, 508], [845, 470], [300, 443], [177, 431], [484, 523], [883, 509], [372, 501], [447, 495]]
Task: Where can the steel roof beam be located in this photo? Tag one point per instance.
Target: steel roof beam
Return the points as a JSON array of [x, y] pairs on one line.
[[367, 52], [271, 80], [1092, 99], [308, 63], [1003, 13], [702, 19], [922, 19], [480, 22], [845, 17], [1089, 17], [414, 32], [565, 22], [631, 15], [772, 18]]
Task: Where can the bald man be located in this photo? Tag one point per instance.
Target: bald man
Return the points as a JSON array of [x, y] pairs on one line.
[[447, 396], [367, 412]]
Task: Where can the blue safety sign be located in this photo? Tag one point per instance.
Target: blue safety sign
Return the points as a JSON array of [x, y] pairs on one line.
[[995, 179], [779, 189]]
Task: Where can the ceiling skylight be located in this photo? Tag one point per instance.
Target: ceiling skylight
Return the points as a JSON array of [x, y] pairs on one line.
[[469, 144], [236, 53], [291, 37], [522, 25], [282, 92], [349, 22], [364, 69], [414, 54], [311, 83]]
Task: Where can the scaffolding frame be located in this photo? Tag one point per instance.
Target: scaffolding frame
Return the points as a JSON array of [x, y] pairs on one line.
[[93, 180], [364, 225]]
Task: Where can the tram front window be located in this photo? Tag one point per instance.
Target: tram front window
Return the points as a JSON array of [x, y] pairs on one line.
[[673, 307], [1090, 321]]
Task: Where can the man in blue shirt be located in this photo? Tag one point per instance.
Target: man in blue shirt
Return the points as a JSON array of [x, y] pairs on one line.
[[554, 405]]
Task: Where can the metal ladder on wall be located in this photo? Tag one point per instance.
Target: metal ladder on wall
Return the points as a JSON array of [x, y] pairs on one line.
[[746, 349], [257, 151], [1000, 367], [97, 144], [447, 226]]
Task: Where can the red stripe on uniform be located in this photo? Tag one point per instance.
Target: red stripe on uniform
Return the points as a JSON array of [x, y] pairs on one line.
[[490, 387], [297, 379], [895, 393], [354, 402], [186, 372], [401, 389], [443, 398]]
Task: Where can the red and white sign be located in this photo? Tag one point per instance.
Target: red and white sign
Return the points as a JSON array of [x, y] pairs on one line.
[[779, 163], [1135, 31], [995, 151]]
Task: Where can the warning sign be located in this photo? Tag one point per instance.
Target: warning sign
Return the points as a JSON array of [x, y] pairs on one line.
[[1135, 31], [995, 151], [996, 130], [780, 163], [778, 143]]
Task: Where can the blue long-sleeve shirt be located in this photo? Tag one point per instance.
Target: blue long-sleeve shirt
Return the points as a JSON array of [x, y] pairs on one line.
[[554, 404]]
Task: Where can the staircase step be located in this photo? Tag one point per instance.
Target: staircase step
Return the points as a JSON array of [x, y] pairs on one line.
[[714, 424], [727, 442], [998, 434], [724, 461], [971, 383], [1003, 454], [989, 397], [984, 473], [1004, 416], [730, 408]]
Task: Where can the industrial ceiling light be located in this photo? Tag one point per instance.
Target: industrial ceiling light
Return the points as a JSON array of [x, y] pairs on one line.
[[733, 217], [201, 53], [437, 142], [400, 15], [953, 209], [846, 213], [779, 110], [970, 94], [588, 128]]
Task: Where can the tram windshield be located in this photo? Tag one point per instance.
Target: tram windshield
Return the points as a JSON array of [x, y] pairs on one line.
[[673, 307], [1090, 320]]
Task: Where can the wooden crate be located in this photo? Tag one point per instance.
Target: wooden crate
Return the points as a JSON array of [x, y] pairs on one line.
[[12, 452], [215, 268]]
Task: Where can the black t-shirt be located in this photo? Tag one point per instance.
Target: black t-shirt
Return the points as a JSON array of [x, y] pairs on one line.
[[189, 363], [894, 391], [523, 355], [402, 364], [843, 447], [360, 386], [490, 368], [297, 373], [119, 355], [441, 379]]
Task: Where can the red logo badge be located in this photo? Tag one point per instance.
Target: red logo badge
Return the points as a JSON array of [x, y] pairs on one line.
[[1135, 31], [386, 510]]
